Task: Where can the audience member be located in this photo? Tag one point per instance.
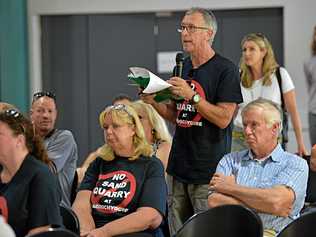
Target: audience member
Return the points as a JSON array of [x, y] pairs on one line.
[[264, 177], [119, 99], [310, 73], [5, 106], [156, 130], [60, 144], [124, 189], [122, 99], [258, 80], [26, 183], [210, 88]]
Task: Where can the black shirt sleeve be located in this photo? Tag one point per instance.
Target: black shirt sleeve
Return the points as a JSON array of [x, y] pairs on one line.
[[154, 192], [43, 201], [91, 176]]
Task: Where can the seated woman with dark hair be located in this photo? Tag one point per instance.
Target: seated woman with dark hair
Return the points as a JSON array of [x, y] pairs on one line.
[[124, 189], [26, 183]]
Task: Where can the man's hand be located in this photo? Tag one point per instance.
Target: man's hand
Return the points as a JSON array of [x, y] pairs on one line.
[[181, 88], [148, 98], [221, 183]]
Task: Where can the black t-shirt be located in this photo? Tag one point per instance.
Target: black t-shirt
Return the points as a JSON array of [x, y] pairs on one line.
[[198, 144], [32, 197], [121, 186]]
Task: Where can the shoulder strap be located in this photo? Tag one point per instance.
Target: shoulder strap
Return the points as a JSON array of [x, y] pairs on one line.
[[278, 75]]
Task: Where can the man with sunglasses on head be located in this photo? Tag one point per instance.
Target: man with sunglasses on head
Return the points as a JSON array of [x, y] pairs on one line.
[[60, 144], [209, 90]]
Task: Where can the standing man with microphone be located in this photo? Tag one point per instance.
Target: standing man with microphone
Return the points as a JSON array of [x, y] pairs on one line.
[[210, 88]]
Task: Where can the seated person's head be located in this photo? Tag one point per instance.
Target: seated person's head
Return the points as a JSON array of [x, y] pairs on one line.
[[5, 106], [262, 123], [122, 99], [154, 125], [21, 130], [123, 133], [43, 112]]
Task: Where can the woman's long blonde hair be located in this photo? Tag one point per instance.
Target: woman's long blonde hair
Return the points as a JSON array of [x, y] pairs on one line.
[[269, 64], [160, 130], [124, 114]]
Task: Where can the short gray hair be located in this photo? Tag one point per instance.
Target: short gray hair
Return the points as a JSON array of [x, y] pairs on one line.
[[271, 111], [209, 19]]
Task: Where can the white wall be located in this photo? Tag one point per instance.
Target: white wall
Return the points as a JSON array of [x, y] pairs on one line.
[[299, 20]]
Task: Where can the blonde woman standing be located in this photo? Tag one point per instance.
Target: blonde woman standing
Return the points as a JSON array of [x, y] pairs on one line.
[[258, 80]]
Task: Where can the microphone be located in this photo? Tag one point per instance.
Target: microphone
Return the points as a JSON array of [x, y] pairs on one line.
[[177, 72]]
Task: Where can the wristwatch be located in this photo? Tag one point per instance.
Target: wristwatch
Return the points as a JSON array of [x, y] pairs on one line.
[[196, 98]]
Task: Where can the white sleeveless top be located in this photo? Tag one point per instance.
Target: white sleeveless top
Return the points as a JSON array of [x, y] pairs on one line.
[[271, 92]]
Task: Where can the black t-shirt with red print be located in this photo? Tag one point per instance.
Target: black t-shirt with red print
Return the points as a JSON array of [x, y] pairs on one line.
[[198, 144], [32, 197], [121, 186]]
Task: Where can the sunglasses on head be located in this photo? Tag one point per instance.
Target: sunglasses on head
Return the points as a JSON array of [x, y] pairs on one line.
[[40, 94], [120, 107], [12, 113], [260, 35], [16, 115]]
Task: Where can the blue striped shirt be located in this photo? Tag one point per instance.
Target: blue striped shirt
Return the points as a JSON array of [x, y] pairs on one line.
[[281, 168]]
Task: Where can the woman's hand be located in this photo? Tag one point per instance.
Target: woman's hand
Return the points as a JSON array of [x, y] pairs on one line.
[[301, 150]]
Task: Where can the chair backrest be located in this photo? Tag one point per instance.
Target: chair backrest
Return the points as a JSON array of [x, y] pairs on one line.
[[301, 227], [223, 221], [55, 233], [74, 186], [70, 219], [311, 183]]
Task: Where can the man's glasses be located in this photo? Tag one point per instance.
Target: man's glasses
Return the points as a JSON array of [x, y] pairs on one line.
[[191, 28], [40, 94]]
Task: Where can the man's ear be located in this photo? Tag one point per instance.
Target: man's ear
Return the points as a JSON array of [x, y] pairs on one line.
[[276, 128], [209, 34]]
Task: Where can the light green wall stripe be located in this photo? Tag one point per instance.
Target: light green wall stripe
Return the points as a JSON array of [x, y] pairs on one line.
[[13, 53]]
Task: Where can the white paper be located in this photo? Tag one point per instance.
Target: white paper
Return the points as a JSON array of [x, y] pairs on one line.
[[155, 83]]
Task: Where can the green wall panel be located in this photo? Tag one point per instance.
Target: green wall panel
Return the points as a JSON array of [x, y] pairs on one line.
[[14, 86]]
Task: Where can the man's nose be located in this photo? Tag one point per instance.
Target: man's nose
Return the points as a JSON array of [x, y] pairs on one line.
[[45, 114], [247, 130]]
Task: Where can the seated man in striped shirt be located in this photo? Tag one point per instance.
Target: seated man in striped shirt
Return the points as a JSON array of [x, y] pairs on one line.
[[265, 177]]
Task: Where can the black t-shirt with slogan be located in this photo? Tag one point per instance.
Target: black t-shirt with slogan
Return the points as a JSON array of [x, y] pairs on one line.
[[32, 197], [121, 186], [198, 144]]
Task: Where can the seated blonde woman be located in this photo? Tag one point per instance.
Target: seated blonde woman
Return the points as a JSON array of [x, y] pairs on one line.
[[123, 190], [156, 133], [156, 130]]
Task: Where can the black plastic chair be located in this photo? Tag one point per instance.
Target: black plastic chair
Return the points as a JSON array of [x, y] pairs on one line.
[[55, 233], [70, 219], [311, 183], [301, 227], [74, 186], [223, 221]]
